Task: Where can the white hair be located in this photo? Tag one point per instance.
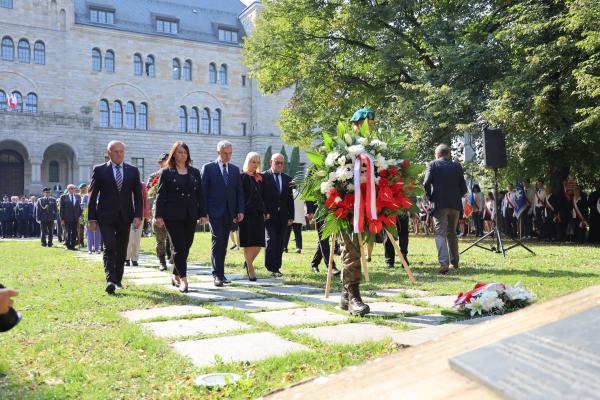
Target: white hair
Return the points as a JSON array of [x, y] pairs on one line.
[[274, 156], [249, 157], [71, 186], [223, 144], [112, 143]]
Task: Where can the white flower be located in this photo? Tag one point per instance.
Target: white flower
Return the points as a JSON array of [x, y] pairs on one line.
[[362, 140], [518, 293], [321, 173], [326, 187], [486, 302], [348, 138], [356, 150], [350, 187], [333, 176], [380, 162], [341, 160], [379, 144], [331, 158], [344, 173]]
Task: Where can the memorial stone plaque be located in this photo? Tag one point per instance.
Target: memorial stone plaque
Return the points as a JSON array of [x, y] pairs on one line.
[[560, 360]]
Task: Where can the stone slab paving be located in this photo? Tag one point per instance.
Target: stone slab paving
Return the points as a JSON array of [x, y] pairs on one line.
[[423, 320], [349, 333], [260, 282], [196, 326], [334, 298], [144, 274], [440, 301], [139, 269], [164, 312], [247, 347], [398, 291], [151, 281], [200, 291], [270, 303], [393, 308], [292, 289], [298, 316]]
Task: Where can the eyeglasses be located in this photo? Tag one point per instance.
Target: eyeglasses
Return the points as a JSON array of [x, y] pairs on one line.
[[278, 162]]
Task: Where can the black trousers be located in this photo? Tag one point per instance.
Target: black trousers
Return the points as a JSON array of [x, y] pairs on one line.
[[22, 230], [478, 222], [47, 228], [34, 228], [323, 249], [297, 228], [390, 252], [275, 229], [71, 234], [181, 234], [59, 230], [219, 229], [116, 238]]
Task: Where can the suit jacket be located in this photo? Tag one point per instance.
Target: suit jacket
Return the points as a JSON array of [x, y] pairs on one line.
[[219, 198], [445, 184], [45, 210], [68, 210], [275, 202], [180, 197], [106, 202]]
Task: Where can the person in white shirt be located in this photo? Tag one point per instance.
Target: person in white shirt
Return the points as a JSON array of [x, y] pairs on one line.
[[297, 225], [478, 206], [489, 212]]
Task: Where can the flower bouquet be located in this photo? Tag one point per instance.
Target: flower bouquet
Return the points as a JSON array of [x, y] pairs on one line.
[[361, 182], [153, 187], [493, 298]]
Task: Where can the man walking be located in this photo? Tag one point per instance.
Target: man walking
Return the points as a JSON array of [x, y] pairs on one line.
[[45, 215], [224, 199], [445, 186], [70, 211], [118, 185]]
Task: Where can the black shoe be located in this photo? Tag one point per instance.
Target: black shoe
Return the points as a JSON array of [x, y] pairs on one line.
[[336, 272], [110, 288], [174, 282], [183, 289], [233, 247], [406, 258], [369, 259], [134, 263], [127, 263], [277, 274], [225, 280], [315, 268], [43, 244], [163, 263], [162, 267], [299, 251], [285, 250], [389, 266], [49, 244], [218, 282]]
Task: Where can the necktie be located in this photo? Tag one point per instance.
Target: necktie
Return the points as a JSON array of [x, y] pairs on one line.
[[73, 199], [119, 177], [225, 175], [278, 181]]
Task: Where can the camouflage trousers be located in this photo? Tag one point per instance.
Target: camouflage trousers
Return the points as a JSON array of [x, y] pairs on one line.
[[351, 268], [163, 247]]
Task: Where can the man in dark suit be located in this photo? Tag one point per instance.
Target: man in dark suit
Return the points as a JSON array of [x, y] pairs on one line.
[[279, 204], [45, 215], [115, 203], [70, 211], [445, 186], [224, 199]]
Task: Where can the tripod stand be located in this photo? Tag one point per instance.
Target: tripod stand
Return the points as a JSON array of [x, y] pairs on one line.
[[495, 234]]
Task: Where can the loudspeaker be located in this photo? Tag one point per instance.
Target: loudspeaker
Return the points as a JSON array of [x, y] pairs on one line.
[[494, 148]]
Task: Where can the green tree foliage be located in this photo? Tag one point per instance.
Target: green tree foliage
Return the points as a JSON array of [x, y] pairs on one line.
[[268, 154], [286, 162], [294, 162]]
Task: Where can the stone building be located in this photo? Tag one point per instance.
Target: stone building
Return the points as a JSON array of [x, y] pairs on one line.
[[147, 72]]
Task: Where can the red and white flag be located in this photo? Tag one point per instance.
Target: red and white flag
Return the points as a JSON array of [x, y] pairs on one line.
[[12, 101]]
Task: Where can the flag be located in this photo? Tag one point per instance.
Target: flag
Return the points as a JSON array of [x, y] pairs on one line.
[[520, 199], [468, 208], [12, 101]]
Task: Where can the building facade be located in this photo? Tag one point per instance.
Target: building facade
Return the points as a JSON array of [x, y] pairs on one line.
[[82, 73]]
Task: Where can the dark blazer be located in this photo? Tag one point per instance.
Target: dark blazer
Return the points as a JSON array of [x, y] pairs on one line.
[[219, 198], [106, 202], [45, 210], [253, 194], [179, 197], [68, 211], [278, 202], [445, 184]]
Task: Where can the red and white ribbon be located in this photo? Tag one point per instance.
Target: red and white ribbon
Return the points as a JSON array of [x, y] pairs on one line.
[[367, 205]]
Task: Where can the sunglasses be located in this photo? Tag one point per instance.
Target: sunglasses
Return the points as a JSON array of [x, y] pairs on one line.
[[278, 162]]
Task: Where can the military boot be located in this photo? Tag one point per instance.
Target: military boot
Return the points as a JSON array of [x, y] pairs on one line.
[[355, 303], [344, 299], [163, 262]]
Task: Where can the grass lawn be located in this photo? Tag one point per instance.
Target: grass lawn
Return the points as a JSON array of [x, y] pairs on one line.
[[73, 344]]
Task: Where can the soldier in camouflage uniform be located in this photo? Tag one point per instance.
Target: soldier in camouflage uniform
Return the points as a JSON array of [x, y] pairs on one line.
[[351, 267], [163, 247]]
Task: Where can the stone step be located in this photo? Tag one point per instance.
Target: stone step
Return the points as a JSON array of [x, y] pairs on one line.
[[298, 316], [164, 312], [349, 333], [196, 326], [270, 303]]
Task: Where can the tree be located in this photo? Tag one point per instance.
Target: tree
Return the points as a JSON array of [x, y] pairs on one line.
[[294, 162], [267, 157], [286, 164]]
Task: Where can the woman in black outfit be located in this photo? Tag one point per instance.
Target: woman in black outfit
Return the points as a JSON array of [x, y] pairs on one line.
[[252, 227], [179, 204]]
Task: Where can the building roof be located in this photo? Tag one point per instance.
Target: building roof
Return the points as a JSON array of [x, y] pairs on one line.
[[199, 20]]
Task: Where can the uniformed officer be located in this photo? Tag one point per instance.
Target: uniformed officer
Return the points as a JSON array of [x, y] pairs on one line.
[[12, 216], [46, 214], [3, 216], [34, 227], [22, 217]]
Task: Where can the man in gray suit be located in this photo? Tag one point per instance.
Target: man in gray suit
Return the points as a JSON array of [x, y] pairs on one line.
[[70, 211], [445, 186]]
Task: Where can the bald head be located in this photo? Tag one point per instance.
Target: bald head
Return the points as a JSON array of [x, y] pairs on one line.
[[277, 162], [116, 151], [442, 151]]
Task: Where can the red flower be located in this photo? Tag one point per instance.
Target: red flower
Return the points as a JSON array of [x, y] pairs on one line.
[[388, 220], [397, 187], [331, 200], [347, 202], [393, 171], [411, 187], [154, 181], [385, 199], [375, 226], [405, 163], [383, 182], [341, 213], [257, 177], [383, 174], [411, 180]]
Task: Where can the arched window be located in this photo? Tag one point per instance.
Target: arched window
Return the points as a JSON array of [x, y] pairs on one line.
[[104, 114], [6, 4], [187, 70], [31, 103], [137, 65], [117, 114], [216, 122], [109, 61], [39, 53], [130, 115], [24, 51], [182, 119], [96, 59], [176, 69], [212, 73], [223, 74], [150, 68], [53, 172], [205, 123], [3, 101], [8, 49], [194, 117], [143, 117], [19, 101]]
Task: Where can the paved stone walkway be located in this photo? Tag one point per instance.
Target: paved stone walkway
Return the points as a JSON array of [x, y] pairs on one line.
[[272, 305]]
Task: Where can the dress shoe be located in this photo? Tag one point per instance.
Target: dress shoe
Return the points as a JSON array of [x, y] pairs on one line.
[[285, 250], [163, 262], [183, 289], [225, 280], [444, 269], [233, 247], [277, 274], [43, 244], [134, 263], [314, 268], [174, 282], [369, 259], [299, 251], [127, 263], [355, 303], [49, 244], [336, 272], [118, 286], [110, 287], [218, 282], [389, 266], [454, 265]]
